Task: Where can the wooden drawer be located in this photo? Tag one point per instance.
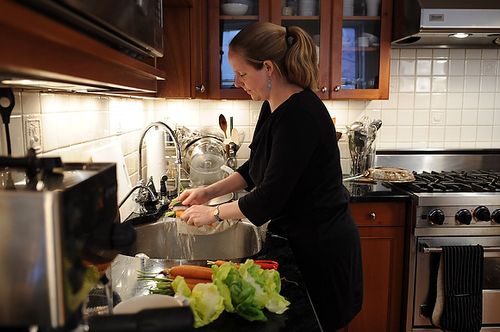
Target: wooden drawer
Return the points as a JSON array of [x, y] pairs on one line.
[[379, 213]]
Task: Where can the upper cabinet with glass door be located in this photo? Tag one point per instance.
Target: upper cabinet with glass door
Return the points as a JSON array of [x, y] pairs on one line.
[[225, 19], [361, 49], [352, 38], [314, 16]]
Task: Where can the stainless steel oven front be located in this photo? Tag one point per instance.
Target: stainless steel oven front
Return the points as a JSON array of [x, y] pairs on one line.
[[427, 261]]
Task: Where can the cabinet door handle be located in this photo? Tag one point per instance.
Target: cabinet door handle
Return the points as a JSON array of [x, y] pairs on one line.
[[372, 215], [324, 89], [201, 88], [337, 88]]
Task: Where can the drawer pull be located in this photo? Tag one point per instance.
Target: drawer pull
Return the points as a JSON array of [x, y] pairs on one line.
[[372, 215]]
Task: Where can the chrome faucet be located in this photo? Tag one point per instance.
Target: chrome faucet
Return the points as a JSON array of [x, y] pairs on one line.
[[141, 199], [177, 146]]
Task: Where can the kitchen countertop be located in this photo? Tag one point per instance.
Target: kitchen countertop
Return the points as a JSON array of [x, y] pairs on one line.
[[373, 192]]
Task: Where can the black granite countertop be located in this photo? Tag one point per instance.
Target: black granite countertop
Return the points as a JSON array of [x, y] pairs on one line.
[[373, 192], [299, 317]]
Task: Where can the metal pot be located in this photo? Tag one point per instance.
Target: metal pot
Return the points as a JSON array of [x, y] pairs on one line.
[[203, 159]]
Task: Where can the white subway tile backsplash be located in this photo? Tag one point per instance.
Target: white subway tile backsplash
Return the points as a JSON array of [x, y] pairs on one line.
[[469, 117], [407, 84], [422, 84], [484, 134], [406, 67], [405, 118], [438, 53], [406, 101], [422, 100], [486, 100], [496, 135], [489, 67], [424, 67], [438, 118], [471, 100], [395, 53], [424, 53], [440, 67], [407, 53], [456, 67], [436, 134], [439, 84], [454, 100], [420, 133], [457, 53], [455, 83], [438, 100], [453, 117], [394, 67], [421, 117], [485, 117], [472, 84], [489, 54], [452, 133], [472, 53], [404, 133], [387, 134], [472, 67], [468, 134], [488, 84]]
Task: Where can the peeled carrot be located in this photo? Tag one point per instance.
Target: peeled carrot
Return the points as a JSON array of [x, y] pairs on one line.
[[179, 213], [190, 271]]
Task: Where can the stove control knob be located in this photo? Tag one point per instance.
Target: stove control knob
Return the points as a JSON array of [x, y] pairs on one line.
[[481, 213], [495, 216], [436, 216], [463, 216]]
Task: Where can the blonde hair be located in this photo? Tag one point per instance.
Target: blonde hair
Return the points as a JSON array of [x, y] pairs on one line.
[[291, 49]]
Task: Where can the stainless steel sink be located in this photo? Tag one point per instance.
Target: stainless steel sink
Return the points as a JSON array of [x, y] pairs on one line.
[[174, 240], [168, 242]]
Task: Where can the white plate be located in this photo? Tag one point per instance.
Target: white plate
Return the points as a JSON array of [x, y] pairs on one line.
[[153, 301]]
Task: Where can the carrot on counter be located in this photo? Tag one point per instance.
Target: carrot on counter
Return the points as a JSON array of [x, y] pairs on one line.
[[191, 282], [190, 271]]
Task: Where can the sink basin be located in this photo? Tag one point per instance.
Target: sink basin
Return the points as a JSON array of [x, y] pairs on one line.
[[173, 239]]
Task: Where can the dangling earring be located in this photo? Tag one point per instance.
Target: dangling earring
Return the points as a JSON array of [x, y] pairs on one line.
[[269, 83]]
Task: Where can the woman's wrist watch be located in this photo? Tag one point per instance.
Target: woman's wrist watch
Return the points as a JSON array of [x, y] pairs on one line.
[[216, 213]]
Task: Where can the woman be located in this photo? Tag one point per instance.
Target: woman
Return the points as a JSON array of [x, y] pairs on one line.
[[293, 171]]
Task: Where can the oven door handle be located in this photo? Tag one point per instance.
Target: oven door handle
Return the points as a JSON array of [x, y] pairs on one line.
[[428, 250]]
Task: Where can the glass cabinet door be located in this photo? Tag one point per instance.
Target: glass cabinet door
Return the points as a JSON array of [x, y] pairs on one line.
[[228, 17], [360, 44], [314, 16]]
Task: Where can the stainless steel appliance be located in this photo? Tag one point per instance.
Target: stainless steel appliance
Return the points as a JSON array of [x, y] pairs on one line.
[[133, 26], [455, 201], [57, 223], [459, 23]]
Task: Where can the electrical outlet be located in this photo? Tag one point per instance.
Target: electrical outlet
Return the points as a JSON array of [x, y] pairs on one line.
[[33, 134]]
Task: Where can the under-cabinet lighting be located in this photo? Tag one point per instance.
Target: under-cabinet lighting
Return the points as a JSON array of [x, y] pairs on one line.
[[459, 35], [47, 85]]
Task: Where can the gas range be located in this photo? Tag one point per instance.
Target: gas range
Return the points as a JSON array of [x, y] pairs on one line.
[[454, 192], [455, 201]]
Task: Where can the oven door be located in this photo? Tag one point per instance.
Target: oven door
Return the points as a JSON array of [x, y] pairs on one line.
[[428, 255]]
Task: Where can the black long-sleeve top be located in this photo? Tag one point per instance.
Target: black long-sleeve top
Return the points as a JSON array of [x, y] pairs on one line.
[[294, 165]]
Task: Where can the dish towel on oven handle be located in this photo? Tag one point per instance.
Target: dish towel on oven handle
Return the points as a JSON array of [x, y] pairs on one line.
[[459, 296]]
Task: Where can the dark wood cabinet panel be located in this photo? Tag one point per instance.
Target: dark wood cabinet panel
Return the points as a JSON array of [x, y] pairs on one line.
[[35, 46], [382, 241]]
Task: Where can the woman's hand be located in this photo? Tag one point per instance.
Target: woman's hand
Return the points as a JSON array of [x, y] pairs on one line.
[[194, 196], [199, 215]]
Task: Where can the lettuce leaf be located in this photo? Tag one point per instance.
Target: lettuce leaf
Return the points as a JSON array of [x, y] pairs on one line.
[[204, 300], [267, 284]]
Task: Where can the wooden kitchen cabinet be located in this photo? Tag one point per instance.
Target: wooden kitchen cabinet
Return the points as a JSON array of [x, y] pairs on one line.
[[382, 227], [185, 41], [36, 46], [354, 49]]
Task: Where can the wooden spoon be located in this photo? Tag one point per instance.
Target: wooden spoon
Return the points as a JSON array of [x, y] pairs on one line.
[[223, 124]]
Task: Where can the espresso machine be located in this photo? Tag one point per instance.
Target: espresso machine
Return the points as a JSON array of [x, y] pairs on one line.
[[58, 222]]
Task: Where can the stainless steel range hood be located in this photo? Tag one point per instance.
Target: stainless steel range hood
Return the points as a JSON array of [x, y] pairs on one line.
[[446, 23]]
